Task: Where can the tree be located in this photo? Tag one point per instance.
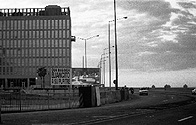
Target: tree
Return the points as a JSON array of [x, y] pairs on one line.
[[167, 87], [153, 86], [42, 73], [185, 86]]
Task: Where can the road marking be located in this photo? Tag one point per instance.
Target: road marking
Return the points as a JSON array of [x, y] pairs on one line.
[[185, 118]]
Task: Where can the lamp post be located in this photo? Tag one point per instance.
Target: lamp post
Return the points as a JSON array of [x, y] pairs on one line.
[[103, 60], [85, 54], [109, 48]]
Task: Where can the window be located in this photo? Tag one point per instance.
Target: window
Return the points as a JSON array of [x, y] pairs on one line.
[[60, 24], [49, 26], [49, 34], [53, 25], [68, 43], [64, 24], [26, 24], [53, 52], [53, 61], [41, 34], [34, 35], [56, 62], [1, 25], [34, 52], [53, 43], [37, 23], [68, 62], [60, 43], [45, 53], [34, 24], [53, 35], [64, 43], [56, 43], [45, 43], [68, 24], [45, 24], [41, 24], [56, 24], [12, 24], [64, 61], [64, 52], [56, 52], [19, 24], [64, 34], [45, 34], [30, 24], [22, 24], [56, 34], [15, 24], [60, 52], [41, 52], [68, 53], [68, 34]]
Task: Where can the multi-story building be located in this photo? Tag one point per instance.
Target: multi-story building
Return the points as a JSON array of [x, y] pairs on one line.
[[31, 38]]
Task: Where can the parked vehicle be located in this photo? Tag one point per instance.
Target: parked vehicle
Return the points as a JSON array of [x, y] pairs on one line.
[[143, 91], [194, 91]]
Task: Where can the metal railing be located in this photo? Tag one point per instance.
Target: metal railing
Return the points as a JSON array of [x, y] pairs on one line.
[[19, 102]]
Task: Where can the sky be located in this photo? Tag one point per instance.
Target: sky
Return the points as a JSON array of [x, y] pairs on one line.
[[156, 43]]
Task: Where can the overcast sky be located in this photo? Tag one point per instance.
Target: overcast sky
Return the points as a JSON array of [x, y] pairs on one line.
[[158, 35]]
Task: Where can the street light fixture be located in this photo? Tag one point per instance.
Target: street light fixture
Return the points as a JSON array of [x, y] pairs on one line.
[[103, 60], [85, 39], [116, 56], [109, 48]]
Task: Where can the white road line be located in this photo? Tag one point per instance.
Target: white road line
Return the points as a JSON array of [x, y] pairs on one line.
[[185, 118]]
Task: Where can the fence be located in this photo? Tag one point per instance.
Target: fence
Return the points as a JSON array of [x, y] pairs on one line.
[[53, 99], [18, 102]]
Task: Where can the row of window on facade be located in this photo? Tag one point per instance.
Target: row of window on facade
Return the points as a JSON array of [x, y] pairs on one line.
[[34, 24], [33, 63], [36, 53], [18, 71], [61, 61], [47, 34], [34, 43]]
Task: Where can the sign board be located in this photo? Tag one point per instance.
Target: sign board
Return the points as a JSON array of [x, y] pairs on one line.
[[86, 76], [60, 76]]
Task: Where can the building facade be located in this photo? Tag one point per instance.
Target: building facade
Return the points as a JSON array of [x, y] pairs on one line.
[[31, 38]]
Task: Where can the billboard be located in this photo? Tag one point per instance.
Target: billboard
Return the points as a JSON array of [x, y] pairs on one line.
[[61, 76], [86, 76]]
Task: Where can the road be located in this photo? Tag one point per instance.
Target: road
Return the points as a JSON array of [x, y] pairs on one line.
[[183, 115], [159, 107]]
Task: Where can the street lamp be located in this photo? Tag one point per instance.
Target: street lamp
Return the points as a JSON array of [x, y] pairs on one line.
[[109, 48], [85, 39], [116, 56], [103, 60]]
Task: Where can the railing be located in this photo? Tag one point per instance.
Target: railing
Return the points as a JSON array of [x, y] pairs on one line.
[[30, 12], [49, 99], [18, 102]]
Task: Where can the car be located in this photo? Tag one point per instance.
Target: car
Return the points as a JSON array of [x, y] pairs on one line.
[[143, 91], [194, 91]]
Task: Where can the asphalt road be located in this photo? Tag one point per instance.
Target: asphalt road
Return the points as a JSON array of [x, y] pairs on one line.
[[182, 115], [159, 107]]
